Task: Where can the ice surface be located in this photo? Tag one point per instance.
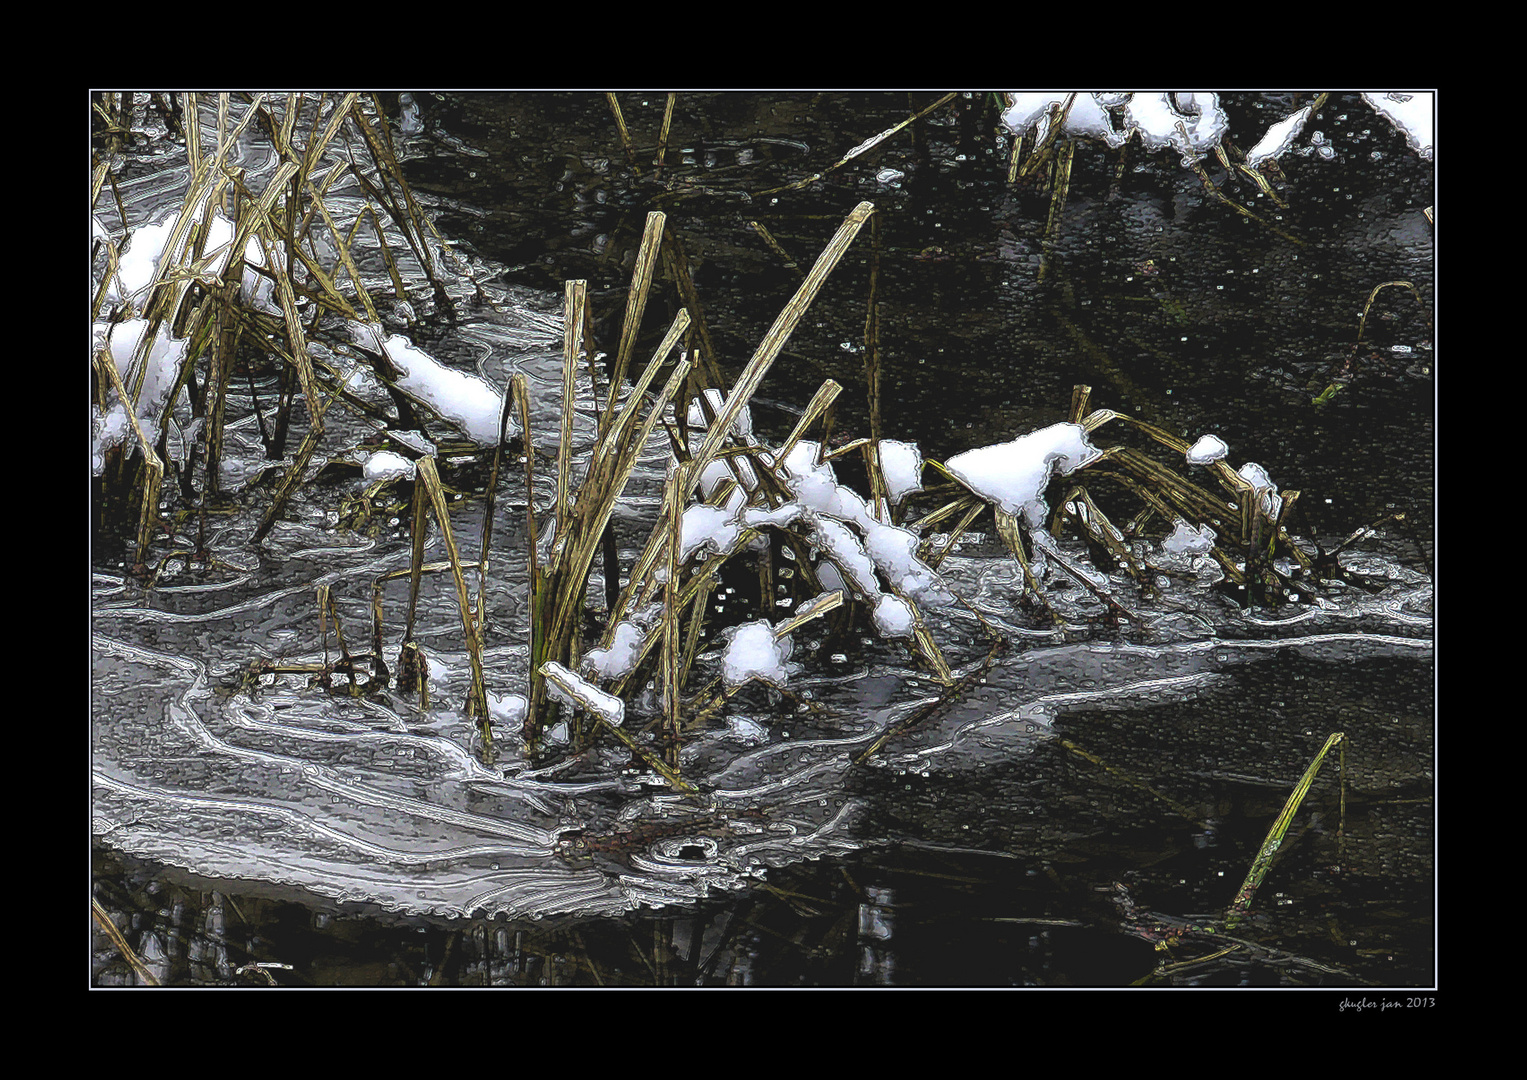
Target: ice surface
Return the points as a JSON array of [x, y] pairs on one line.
[[508, 709]]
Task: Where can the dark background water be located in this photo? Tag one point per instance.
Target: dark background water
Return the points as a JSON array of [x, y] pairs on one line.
[[1174, 308], [1170, 304]]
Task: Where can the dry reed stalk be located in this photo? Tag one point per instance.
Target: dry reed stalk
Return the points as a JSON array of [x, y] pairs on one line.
[[662, 139], [477, 698], [936, 559], [1040, 155], [574, 314], [153, 468], [620, 124], [768, 349], [560, 589], [1274, 840], [864, 147], [114, 935], [677, 486], [773, 244], [636, 300]]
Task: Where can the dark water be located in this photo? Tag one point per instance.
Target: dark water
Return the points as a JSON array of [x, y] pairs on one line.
[[1065, 861]]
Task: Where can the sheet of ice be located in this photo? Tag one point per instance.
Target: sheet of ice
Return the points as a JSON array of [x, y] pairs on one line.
[[1014, 474], [1186, 540], [753, 653], [620, 657], [573, 690], [1411, 113], [902, 464], [1208, 449]]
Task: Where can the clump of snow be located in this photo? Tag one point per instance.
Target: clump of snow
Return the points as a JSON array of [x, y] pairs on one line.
[[1411, 113], [414, 440], [752, 652], [1087, 119], [843, 548], [902, 465], [508, 709], [1207, 450], [718, 472], [1279, 137], [816, 486], [144, 249], [1267, 492], [571, 689], [893, 617], [1014, 474], [1191, 121], [894, 552], [387, 465], [620, 657], [708, 527], [139, 257], [161, 372], [468, 401], [755, 517], [1186, 540]]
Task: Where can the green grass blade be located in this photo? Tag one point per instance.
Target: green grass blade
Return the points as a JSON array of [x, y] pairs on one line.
[[1274, 841]]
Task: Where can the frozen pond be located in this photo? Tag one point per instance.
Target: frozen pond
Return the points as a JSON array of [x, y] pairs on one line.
[[1092, 786]]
